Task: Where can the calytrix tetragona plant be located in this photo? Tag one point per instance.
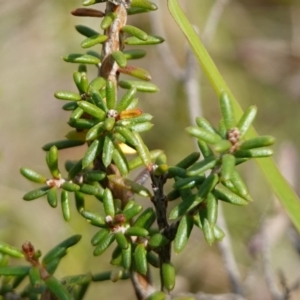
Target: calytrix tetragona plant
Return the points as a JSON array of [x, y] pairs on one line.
[[110, 126]]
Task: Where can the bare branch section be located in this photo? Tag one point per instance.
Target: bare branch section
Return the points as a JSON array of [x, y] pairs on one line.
[[165, 52], [226, 251]]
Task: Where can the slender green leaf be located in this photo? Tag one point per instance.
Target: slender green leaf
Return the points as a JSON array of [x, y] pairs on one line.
[[57, 288], [14, 270], [60, 250], [10, 250]]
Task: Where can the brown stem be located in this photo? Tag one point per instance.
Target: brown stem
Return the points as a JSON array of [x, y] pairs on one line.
[[114, 42], [160, 203], [32, 257], [109, 70]]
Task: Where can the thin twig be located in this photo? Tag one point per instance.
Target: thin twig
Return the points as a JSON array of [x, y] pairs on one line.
[[164, 50], [203, 296], [188, 76], [213, 21], [226, 251], [160, 203], [191, 87], [266, 263]]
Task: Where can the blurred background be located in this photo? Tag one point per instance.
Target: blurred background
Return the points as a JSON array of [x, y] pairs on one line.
[[256, 46]]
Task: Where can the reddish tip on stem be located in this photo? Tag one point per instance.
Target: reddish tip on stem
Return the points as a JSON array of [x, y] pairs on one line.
[[28, 250]]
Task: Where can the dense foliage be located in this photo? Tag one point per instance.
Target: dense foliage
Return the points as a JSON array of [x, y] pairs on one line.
[[111, 125]]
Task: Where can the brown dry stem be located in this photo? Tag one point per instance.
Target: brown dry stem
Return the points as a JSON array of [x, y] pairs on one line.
[[114, 42]]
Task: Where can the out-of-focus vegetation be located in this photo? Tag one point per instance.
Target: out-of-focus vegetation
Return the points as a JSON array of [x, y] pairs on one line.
[[257, 49]]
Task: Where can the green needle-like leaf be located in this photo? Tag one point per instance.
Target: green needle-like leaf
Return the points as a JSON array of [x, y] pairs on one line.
[[32, 175], [120, 58], [129, 185], [136, 231], [63, 144], [126, 99], [146, 218], [52, 196], [227, 111], [127, 257], [99, 236], [151, 40], [95, 219], [140, 259], [107, 20], [257, 142], [227, 168], [65, 205], [108, 203], [106, 242], [52, 162], [168, 276], [86, 31], [11, 251], [94, 40], [60, 250], [35, 276], [183, 233], [134, 31], [32, 195], [91, 153], [57, 288], [140, 86], [157, 296], [121, 240], [82, 59], [108, 148], [92, 109], [14, 270], [120, 159], [144, 4], [134, 53]]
